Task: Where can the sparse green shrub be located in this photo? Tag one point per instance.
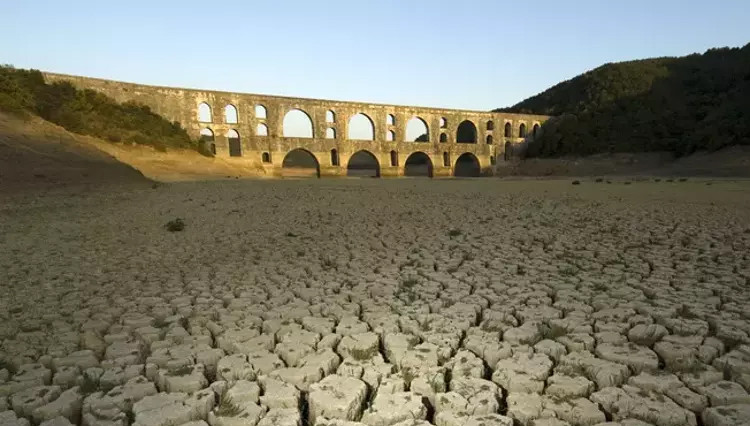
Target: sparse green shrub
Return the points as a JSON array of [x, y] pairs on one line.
[[454, 232], [576, 182], [175, 225]]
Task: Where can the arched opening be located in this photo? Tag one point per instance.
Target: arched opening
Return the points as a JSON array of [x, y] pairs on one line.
[[466, 133], [207, 139], [418, 164], [260, 111], [334, 157], [489, 139], [443, 138], [467, 165], [300, 163], [261, 130], [490, 125], [535, 129], [443, 123], [230, 114], [493, 160], [522, 131], [235, 147], [330, 133], [297, 124], [508, 151], [390, 136], [446, 160], [394, 158], [390, 120], [361, 128], [508, 130], [330, 116], [417, 130], [363, 164], [204, 113], [266, 157]]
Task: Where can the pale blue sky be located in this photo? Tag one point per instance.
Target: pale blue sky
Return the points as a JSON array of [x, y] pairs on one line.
[[457, 54]]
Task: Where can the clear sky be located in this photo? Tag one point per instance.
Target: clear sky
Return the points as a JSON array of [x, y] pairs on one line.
[[459, 54]]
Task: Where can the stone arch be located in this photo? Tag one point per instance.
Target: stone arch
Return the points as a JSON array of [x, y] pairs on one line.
[[266, 157], [535, 129], [230, 114], [443, 138], [364, 164], [508, 151], [508, 130], [260, 111], [297, 124], [394, 158], [489, 139], [390, 120], [334, 157], [418, 164], [490, 125], [208, 140], [361, 127], [330, 116], [390, 136], [467, 165], [235, 147], [522, 130], [300, 162], [261, 130], [417, 130], [443, 122], [204, 113], [446, 159], [466, 132], [330, 133]]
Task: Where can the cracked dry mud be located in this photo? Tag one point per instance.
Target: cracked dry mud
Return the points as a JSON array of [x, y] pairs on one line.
[[357, 302]]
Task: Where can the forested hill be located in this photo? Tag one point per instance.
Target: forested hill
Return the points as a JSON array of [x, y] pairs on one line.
[[681, 105]]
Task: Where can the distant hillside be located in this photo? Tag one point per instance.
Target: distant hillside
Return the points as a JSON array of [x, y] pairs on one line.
[[680, 105], [86, 112]]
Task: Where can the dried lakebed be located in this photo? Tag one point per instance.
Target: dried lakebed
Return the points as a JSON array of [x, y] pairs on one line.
[[377, 302]]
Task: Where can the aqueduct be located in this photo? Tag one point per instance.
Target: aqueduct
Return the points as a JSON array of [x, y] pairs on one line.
[[275, 132]]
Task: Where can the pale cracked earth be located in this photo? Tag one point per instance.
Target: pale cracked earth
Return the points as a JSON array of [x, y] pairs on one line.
[[391, 302]]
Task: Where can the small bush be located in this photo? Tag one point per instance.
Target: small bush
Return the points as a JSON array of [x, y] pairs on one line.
[[599, 180], [454, 232], [683, 179], [576, 182], [175, 225]]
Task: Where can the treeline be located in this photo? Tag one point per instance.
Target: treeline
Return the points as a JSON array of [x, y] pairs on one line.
[[88, 112], [681, 105]]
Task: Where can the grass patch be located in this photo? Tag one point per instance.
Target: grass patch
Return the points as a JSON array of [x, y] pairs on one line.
[[327, 263], [88, 385], [227, 406]]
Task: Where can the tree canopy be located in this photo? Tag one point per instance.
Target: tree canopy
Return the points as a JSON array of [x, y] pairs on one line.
[[681, 105]]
